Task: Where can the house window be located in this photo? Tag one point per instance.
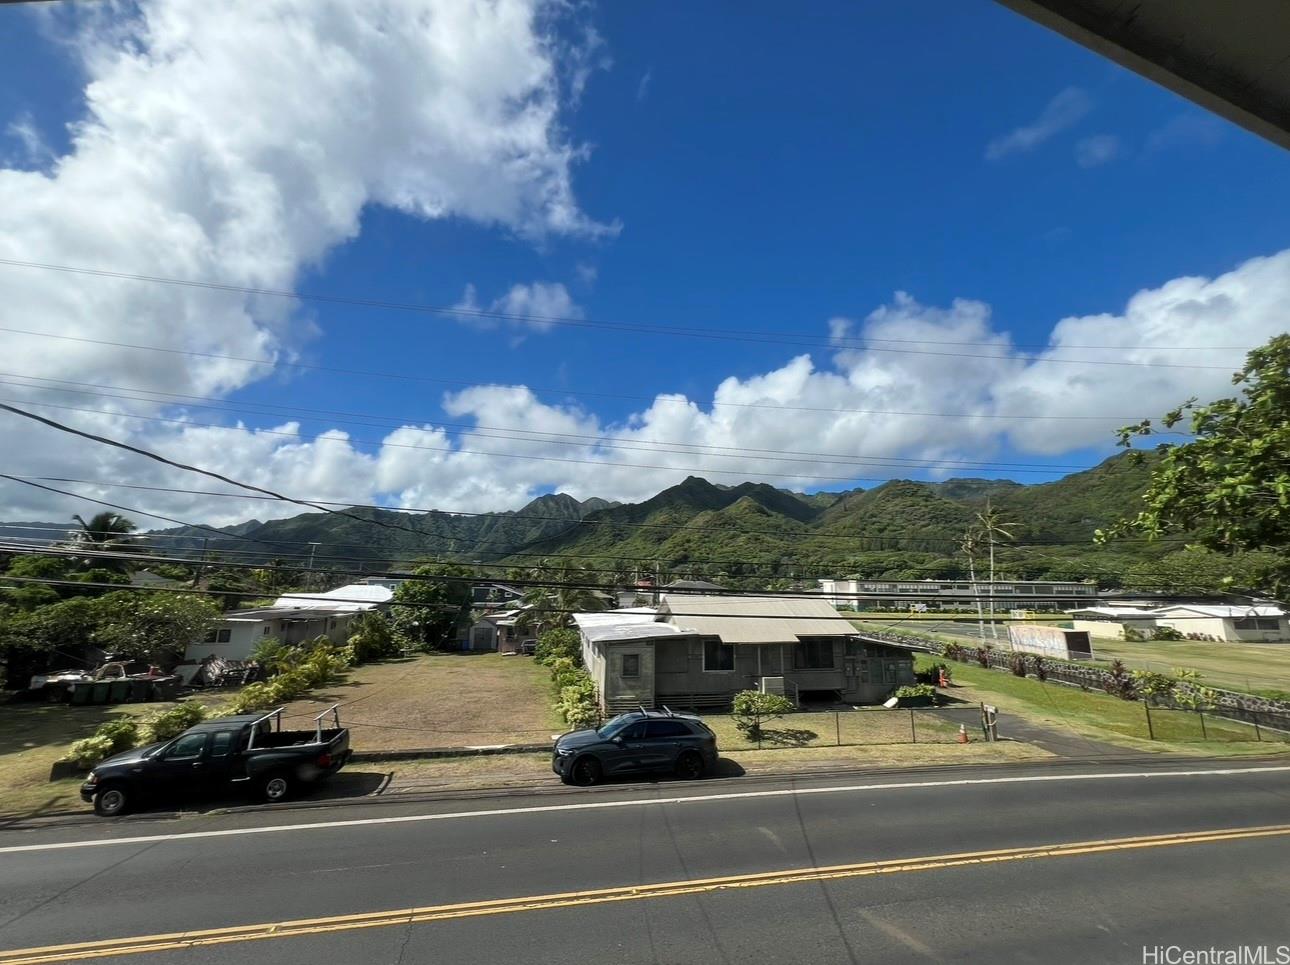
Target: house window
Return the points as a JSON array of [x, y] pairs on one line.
[[718, 657], [889, 671], [223, 636], [1255, 623], [631, 665], [210, 636], [815, 655], [265, 631]]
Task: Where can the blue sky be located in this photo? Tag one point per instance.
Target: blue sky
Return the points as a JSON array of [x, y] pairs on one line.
[[737, 167]]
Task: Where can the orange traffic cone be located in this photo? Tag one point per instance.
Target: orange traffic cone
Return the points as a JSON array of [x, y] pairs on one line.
[[963, 737]]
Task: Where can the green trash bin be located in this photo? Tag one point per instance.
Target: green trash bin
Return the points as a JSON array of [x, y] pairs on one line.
[[80, 693], [119, 692], [100, 690]]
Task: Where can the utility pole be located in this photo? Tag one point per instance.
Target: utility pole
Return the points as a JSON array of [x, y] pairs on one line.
[[309, 578], [197, 570]]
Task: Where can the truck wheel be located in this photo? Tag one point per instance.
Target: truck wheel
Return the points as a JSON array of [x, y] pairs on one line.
[[275, 788], [110, 801]]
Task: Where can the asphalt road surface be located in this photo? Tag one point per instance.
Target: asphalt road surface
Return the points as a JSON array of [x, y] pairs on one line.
[[1055, 863]]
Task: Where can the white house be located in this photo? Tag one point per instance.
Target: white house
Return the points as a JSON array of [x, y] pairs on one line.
[[293, 618], [1260, 623], [953, 594], [1109, 622]]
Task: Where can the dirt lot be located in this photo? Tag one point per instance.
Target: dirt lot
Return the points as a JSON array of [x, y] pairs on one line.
[[439, 700]]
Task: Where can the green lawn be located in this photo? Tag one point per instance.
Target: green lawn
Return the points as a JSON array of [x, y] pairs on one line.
[[873, 726], [1106, 718], [1247, 667]]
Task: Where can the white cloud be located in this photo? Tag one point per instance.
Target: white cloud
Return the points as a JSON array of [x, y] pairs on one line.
[[1063, 111], [34, 151], [1090, 152], [537, 306], [239, 143], [1186, 130], [642, 88], [940, 406]]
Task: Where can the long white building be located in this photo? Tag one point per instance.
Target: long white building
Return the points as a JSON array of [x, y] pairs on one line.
[[956, 594]]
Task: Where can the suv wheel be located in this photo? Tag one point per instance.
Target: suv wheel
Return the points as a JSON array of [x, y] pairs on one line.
[[689, 766], [111, 801], [585, 772]]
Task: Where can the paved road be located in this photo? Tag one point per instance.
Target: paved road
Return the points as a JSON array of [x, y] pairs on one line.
[[1046, 892]]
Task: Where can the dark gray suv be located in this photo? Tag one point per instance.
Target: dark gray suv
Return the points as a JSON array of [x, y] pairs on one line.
[[646, 740]]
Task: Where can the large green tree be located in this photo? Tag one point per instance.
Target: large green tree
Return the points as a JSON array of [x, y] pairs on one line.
[[1228, 489], [430, 607], [152, 625], [570, 590], [106, 533]]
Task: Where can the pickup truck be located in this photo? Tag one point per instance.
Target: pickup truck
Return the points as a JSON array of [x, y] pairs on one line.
[[250, 752]]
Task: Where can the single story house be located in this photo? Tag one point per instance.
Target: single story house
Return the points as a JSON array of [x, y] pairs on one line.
[[699, 651], [496, 630], [293, 618], [1256, 623], [1109, 622]]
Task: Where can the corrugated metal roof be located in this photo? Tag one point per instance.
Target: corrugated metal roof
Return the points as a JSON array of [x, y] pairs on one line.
[[629, 615], [754, 619], [344, 599], [1226, 612], [630, 631]]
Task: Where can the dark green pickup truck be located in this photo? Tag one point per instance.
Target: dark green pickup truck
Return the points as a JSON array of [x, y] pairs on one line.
[[250, 752]]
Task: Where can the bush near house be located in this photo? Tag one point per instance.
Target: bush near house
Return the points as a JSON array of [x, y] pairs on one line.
[[556, 644], [110, 738], [372, 638], [752, 708], [173, 722]]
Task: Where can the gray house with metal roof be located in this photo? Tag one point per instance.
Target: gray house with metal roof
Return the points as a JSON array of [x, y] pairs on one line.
[[698, 651]]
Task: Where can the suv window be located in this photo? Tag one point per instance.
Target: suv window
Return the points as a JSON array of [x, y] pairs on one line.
[[666, 728], [189, 745]]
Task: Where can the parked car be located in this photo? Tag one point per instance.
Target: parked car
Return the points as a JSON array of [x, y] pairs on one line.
[[644, 740], [528, 647], [250, 752]]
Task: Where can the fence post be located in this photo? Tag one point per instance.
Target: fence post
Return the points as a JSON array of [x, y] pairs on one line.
[[1151, 734], [913, 728], [1257, 733], [1203, 735], [837, 728]]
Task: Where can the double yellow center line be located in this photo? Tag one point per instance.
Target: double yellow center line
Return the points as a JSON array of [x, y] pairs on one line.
[[80, 951]]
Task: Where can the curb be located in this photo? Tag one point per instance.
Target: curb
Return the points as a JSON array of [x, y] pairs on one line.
[[431, 753]]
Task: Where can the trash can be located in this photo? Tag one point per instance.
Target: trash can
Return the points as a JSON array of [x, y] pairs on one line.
[[100, 690], [119, 691], [139, 689], [80, 692]]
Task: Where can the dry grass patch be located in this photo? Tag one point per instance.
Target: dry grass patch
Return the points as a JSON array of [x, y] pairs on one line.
[[439, 700]]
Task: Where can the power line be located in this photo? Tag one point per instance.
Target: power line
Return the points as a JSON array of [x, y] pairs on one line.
[[506, 432], [861, 462], [723, 334]]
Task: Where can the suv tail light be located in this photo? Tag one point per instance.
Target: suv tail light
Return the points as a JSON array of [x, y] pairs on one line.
[[324, 760]]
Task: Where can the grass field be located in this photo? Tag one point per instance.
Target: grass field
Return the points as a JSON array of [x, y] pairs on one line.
[[1107, 718], [870, 727], [440, 700], [1247, 667]]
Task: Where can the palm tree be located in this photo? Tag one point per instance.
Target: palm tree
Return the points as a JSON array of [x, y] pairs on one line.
[[993, 529], [969, 546], [567, 593], [105, 532]]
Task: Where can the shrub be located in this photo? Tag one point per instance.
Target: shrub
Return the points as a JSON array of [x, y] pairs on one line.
[[1119, 683], [752, 708], [251, 697], [275, 656], [564, 672], [1166, 633], [1017, 664], [955, 651], [170, 723], [578, 703], [1155, 686], [910, 691], [1041, 669], [983, 655], [1133, 635], [372, 638], [557, 644], [90, 750], [932, 673]]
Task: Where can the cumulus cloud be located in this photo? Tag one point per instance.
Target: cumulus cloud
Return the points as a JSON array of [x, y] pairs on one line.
[[1091, 152], [33, 150], [1065, 110], [240, 142]]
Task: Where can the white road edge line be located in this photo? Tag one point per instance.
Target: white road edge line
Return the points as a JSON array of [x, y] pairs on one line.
[[634, 803]]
